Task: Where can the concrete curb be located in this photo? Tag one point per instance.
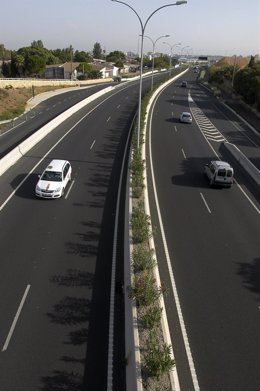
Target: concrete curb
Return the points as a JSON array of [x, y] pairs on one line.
[[133, 357], [134, 352], [164, 322]]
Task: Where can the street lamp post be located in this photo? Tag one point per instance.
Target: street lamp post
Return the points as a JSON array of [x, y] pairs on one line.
[[71, 59], [143, 26], [171, 47], [182, 49], [154, 42]]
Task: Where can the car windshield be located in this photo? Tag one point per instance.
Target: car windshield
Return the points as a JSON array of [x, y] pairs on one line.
[[186, 115], [54, 176]]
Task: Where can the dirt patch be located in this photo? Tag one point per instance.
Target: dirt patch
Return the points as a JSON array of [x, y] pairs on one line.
[[13, 100], [241, 62]]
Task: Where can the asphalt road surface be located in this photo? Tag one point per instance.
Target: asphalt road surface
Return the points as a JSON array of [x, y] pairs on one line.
[[57, 255], [15, 132], [207, 241]]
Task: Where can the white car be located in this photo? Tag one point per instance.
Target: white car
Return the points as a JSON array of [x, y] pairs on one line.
[[186, 117], [54, 179], [219, 173]]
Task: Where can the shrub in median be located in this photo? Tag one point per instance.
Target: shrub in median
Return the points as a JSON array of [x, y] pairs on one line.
[[143, 258], [152, 316], [137, 167], [141, 224], [158, 356], [144, 290]]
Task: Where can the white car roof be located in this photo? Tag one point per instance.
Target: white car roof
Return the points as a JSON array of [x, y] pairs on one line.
[[56, 165], [221, 163]]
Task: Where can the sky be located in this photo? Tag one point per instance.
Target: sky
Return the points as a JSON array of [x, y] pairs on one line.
[[202, 27]]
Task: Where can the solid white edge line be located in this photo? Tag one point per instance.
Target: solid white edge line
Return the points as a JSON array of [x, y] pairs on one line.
[[16, 318], [113, 277], [174, 288], [247, 197]]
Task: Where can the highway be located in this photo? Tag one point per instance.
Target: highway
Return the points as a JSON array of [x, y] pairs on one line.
[[207, 240], [62, 252], [58, 272], [57, 255]]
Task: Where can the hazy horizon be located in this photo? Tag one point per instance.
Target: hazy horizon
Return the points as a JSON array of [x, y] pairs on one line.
[[222, 28]]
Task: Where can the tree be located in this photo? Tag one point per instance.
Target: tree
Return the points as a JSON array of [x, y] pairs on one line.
[[97, 51], [6, 69], [85, 68], [4, 53], [247, 83], [35, 63], [116, 56], [17, 64], [37, 44], [29, 61], [161, 62], [119, 64], [220, 74], [94, 75], [51, 59], [82, 56], [64, 55], [252, 62]]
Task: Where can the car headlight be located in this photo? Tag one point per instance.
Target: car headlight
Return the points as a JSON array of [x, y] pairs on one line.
[[38, 188], [58, 189]]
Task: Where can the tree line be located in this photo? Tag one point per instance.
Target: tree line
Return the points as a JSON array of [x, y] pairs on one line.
[[243, 81], [31, 61]]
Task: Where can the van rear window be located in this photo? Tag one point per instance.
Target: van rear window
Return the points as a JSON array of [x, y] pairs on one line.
[[222, 172]]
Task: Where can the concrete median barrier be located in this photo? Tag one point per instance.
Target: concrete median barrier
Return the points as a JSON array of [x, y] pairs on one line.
[[247, 165]]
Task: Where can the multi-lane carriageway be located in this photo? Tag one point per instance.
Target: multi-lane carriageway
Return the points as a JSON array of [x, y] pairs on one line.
[[56, 257]]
